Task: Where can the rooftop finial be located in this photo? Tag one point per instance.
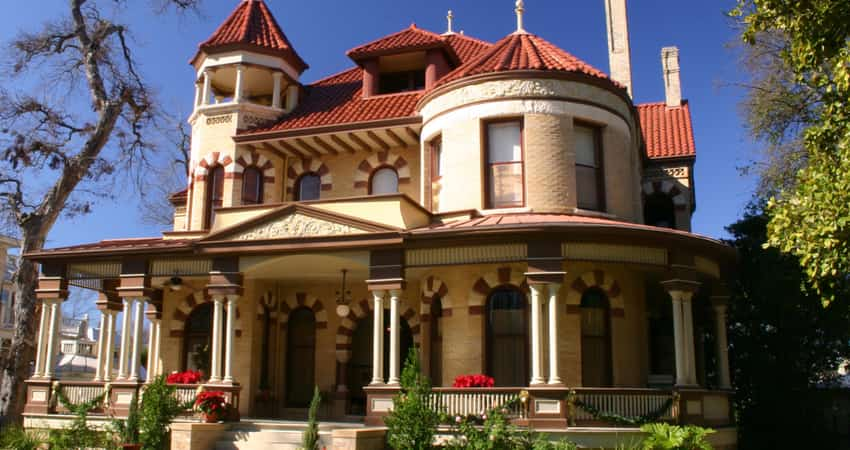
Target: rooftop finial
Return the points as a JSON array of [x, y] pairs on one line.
[[520, 10], [450, 17]]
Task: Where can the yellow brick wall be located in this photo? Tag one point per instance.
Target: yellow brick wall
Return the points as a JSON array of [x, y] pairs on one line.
[[549, 155]]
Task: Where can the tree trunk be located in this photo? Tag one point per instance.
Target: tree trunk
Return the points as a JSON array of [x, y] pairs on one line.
[[17, 365]]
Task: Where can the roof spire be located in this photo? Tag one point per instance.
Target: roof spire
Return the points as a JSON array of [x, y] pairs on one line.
[[450, 17], [520, 10]]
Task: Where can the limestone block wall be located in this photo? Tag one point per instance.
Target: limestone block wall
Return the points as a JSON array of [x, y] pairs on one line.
[[347, 175], [549, 109]]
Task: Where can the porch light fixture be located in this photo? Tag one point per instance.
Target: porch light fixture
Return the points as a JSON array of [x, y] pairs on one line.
[[175, 283], [343, 298]]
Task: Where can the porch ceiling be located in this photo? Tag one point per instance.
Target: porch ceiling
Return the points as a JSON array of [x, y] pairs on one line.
[[309, 267]]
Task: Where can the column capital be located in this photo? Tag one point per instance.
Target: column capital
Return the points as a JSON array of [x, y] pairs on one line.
[[52, 286], [681, 285], [547, 277], [396, 293]]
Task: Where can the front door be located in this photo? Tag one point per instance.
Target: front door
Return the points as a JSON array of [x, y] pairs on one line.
[[301, 358]]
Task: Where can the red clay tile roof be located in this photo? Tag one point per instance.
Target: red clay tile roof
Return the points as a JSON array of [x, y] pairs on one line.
[[410, 39], [338, 99], [523, 51], [252, 24], [667, 132]]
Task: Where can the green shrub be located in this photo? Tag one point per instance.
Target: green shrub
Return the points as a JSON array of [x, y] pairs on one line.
[[127, 431], [493, 431], [159, 408], [78, 434], [663, 436], [310, 437], [412, 424], [16, 438]]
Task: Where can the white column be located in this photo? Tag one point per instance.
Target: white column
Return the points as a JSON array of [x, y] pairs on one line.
[[395, 341], [137, 339], [378, 338], [205, 97], [678, 339], [150, 364], [240, 81], [157, 326], [110, 343], [51, 338], [228, 356], [198, 93], [42, 339], [215, 358], [101, 348], [125, 338], [724, 379], [536, 354], [291, 97], [688, 329], [554, 377], [278, 77]]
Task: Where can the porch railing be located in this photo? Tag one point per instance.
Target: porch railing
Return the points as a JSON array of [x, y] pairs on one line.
[[78, 392], [629, 403], [556, 407], [472, 401]]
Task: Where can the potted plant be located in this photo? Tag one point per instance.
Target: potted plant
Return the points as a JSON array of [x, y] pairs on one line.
[[212, 406], [127, 431]]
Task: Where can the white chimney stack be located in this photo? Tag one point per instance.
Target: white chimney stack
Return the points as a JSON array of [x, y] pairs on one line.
[[619, 53], [672, 82]]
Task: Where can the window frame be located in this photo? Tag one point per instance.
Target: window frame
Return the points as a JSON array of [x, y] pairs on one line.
[[209, 195], [297, 193], [378, 169], [599, 157], [261, 181], [490, 335], [486, 164]]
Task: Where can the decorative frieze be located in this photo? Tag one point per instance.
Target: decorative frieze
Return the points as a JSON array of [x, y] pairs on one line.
[[219, 120], [614, 253], [466, 255]]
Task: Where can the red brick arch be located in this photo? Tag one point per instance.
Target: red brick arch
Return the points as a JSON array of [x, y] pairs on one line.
[[184, 309], [359, 311]]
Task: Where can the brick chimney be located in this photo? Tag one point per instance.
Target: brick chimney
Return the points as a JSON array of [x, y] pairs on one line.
[[619, 53], [672, 83]]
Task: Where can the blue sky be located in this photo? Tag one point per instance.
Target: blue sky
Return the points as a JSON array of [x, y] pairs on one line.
[[322, 30]]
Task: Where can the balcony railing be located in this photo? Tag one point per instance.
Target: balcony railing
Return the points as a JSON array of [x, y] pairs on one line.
[[474, 401]]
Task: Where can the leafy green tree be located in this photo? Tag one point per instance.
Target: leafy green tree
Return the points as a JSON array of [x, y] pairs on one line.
[[783, 343], [413, 423], [812, 219]]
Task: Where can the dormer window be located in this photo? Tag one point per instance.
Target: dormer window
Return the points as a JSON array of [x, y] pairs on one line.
[[406, 81]]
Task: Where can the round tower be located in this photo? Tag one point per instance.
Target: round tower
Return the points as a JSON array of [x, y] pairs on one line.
[[246, 75]]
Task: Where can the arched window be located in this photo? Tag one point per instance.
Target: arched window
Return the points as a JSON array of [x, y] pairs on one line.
[[384, 181], [507, 337], [252, 186], [300, 358], [215, 194], [197, 339], [436, 329], [659, 211], [595, 339], [308, 187]]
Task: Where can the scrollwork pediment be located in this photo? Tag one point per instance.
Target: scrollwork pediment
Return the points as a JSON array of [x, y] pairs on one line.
[[293, 226]]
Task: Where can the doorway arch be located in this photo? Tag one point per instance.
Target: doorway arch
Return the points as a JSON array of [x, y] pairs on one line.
[[300, 357]]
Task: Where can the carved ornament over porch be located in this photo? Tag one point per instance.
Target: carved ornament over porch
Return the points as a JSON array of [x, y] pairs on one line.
[[296, 225]]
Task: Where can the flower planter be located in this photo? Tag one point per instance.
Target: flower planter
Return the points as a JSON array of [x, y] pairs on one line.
[[211, 418]]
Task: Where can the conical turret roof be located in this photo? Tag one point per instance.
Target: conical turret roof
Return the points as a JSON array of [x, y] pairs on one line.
[[252, 26]]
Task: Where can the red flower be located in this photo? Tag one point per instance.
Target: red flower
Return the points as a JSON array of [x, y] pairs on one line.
[[187, 377], [473, 381]]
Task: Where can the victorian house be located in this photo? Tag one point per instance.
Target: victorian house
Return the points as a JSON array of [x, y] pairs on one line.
[[503, 206]]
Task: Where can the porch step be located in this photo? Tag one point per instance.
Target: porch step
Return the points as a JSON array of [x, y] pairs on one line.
[[275, 435]]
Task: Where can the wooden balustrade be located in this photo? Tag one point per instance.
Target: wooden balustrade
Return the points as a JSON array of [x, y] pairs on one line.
[[78, 392], [475, 401], [631, 403], [559, 407]]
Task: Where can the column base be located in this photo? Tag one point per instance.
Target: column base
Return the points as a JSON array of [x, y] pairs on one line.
[[537, 381], [38, 395], [556, 383]]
